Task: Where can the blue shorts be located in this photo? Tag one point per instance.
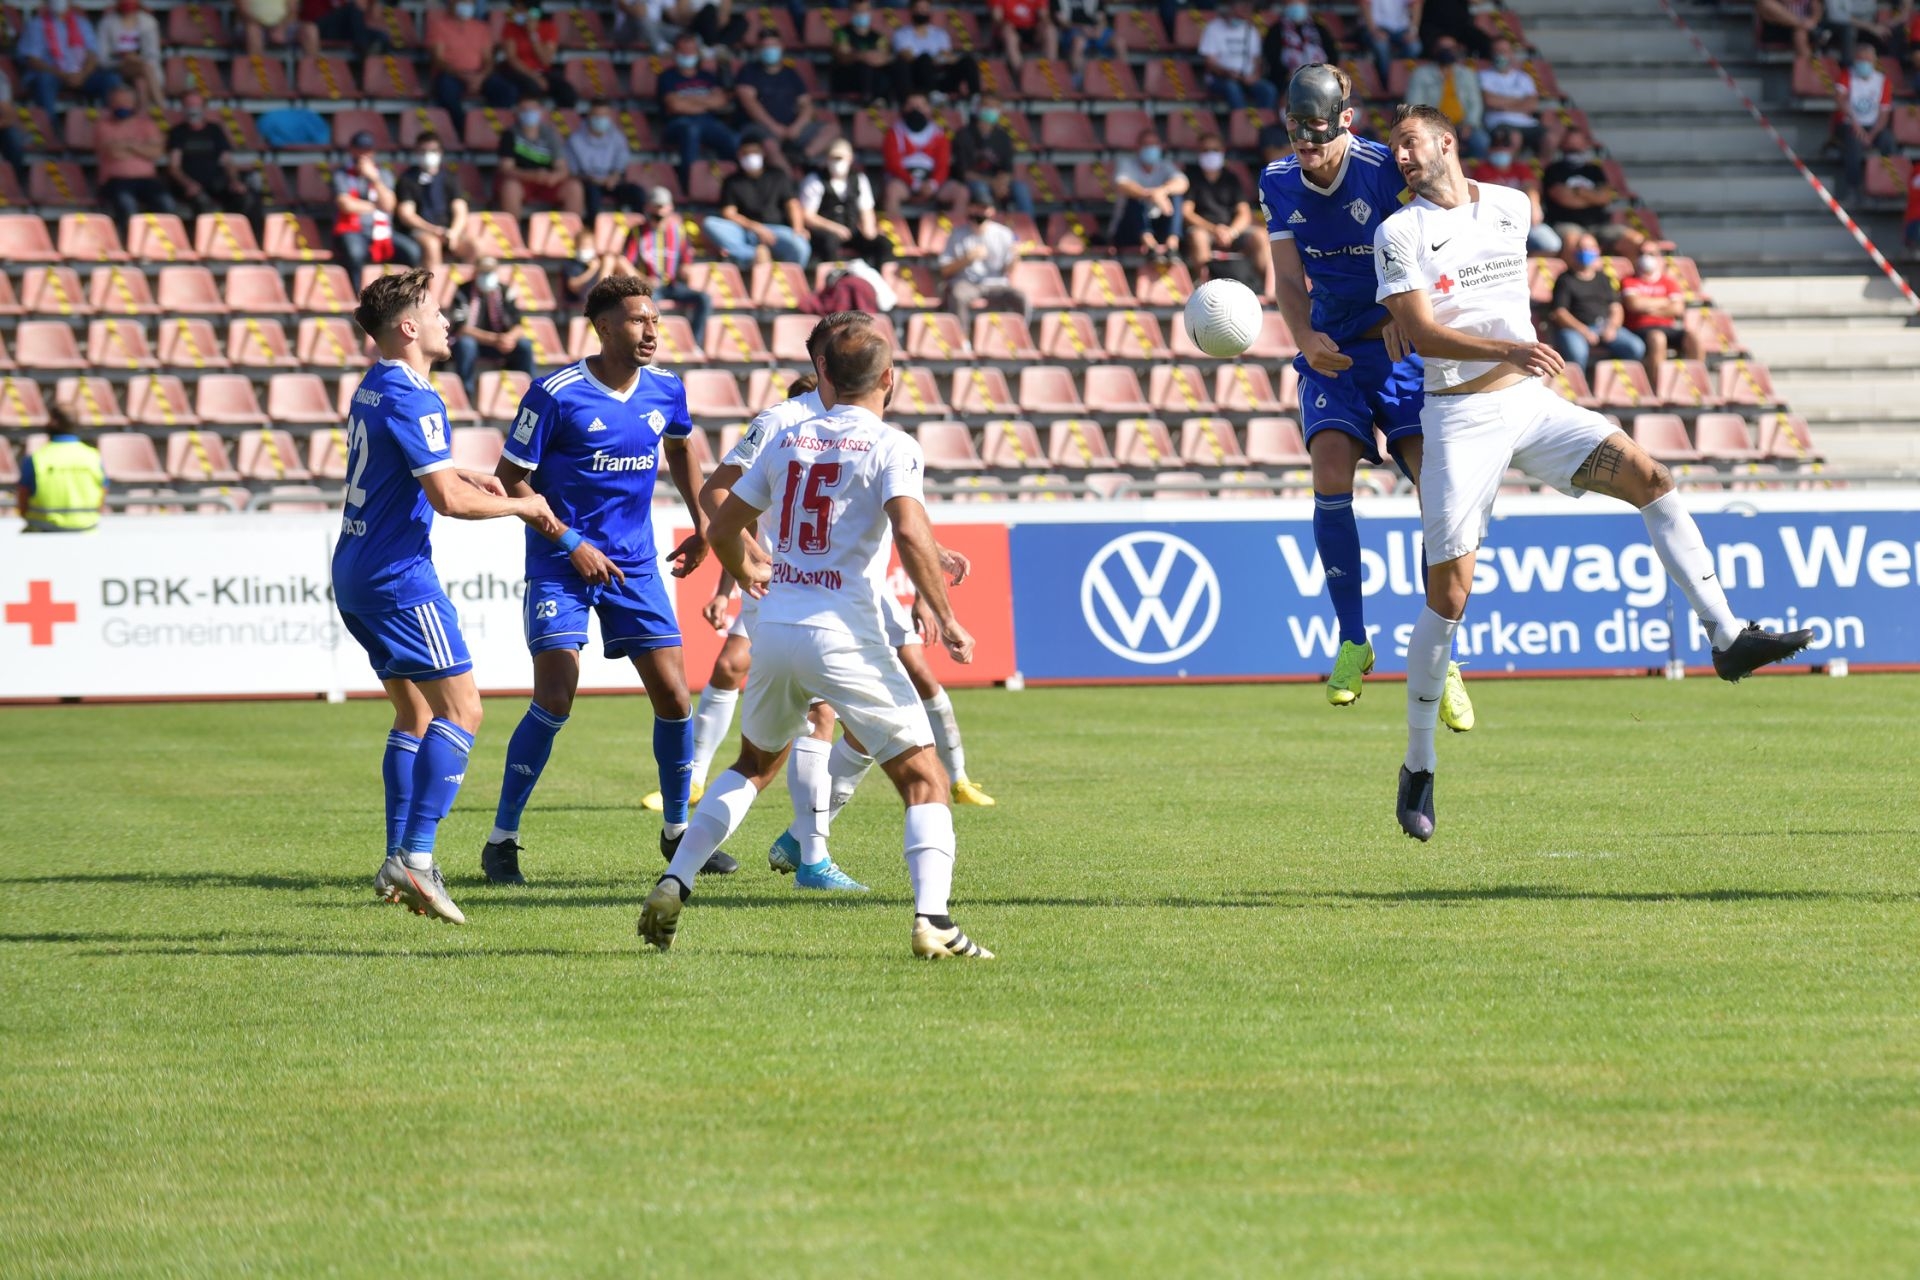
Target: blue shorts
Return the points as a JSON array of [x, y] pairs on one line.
[[1372, 392], [420, 642], [635, 615]]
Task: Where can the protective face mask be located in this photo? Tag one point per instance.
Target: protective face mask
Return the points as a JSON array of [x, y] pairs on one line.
[[752, 164], [1295, 13], [533, 13], [989, 115], [1577, 157], [1648, 264], [922, 19], [600, 124], [1446, 57], [839, 168], [1502, 63], [196, 114], [862, 21], [686, 61], [915, 120], [464, 11], [1863, 67], [530, 118], [1149, 155], [772, 54], [430, 161], [1587, 258], [123, 113], [489, 280], [1500, 159], [1212, 160]]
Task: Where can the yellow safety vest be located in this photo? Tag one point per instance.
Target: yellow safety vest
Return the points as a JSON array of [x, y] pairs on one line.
[[68, 487]]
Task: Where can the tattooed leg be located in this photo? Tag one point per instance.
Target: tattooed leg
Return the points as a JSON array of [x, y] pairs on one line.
[[1621, 469]]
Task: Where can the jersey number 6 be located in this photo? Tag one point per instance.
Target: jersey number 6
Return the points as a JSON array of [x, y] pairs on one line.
[[806, 492]]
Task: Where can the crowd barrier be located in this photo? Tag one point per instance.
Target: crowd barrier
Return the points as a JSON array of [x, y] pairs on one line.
[[1076, 592]]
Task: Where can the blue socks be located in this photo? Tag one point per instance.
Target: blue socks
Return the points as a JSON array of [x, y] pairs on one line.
[[527, 753], [1338, 538], [396, 771], [440, 766], [673, 752]]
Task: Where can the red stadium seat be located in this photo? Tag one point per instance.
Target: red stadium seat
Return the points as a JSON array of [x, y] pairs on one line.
[[329, 342], [1113, 388], [89, 237], [54, 291], [948, 446], [1746, 382], [293, 237], [1688, 384], [555, 234], [90, 400], [1275, 442], [1047, 389], [1163, 284], [1002, 335], [47, 344], [1110, 80], [323, 289], [1725, 436], [1121, 131], [1786, 436], [916, 287], [583, 29], [21, 407], [1041, 283], [498, 234], [1011, 443], [777, 286], [9, 465], [1187, 125], [1718, 337], [499, 395], [721, 281], [1178, 485], [734, 338], [1135, 335], [1244, 388], [1210, 442], [1068, 131], [936, 335], [119, 344], [6, 359], [714, 394], [9, 301], [59, 185], [161, 400], [1664, 436], [980, 390], [1170, 80], [130, 458], [916, 395], [459, 409], [1079, 444], [197, 25], [227, 400], [790, 337], [1043, 80], [327, 79], [1571, 384], [1178, 388], [160, 237], [768, 387], [389, 76], [122, 291], [225, 237], [594, 77], [1622, 384], [301, 399], [1101, 284], [260, 78], [1542, 273], [189, 344], [25, 239], [259, 344], [1142, 443], [327, 454]]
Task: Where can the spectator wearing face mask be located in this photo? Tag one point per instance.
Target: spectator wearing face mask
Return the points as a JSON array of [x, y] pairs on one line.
[[1656, 307], [1233, 53], [527, 60], [598, 156], [130, 40], [459, 58], [659, 249], [774, 106], [862, 67], [200, 165], [691, 97], [363, 204], [977, 265], [1862, 117], [759, 216], [918, 157], [983, 158], [1295, 40], [1574, 187], [1216, 214], [1450, 86], [1510, 96], [924, 61], [533, 164], [431, 206], [1019, 25], [340, 22], [1393, 32], [128, 150], [1148, 205], [1504, 167], [486, 322], [59, 50], [837, 203], [1586, 315]]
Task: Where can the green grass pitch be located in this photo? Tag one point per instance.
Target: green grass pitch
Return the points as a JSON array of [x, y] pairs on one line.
[[1645, 1007]]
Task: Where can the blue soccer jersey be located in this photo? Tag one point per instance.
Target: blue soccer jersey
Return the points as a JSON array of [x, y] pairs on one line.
[[1333, 230], [396, 433], [594, 453]]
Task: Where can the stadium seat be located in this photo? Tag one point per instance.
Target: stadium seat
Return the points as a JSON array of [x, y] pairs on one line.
[[1275, 442], [120, 290], [1120, 132], [161, 400], [714, 394], [916, 395], [228, 400], [777, 286], [734, 338], [1135, 335], [948, 446], [498, 234], [1142, 443], [1010, 444], [21, 406], [1622, 384], [1542, 273], [330, 79], [555, 234], [1571, 384], [915, 287], [300, 399], [582, 341], [768, 387], [6, 357], [325, 289], [47, 344], [1171, 80], [1179, 485], [9, 466], [1186, 125], [1048, 389], [476, 448], [550, 353], [936, 335], [1042, 285], [9, 300], [1746, 382], [1178, 388], [329, 342], [298, 499], [160, 237], [392, 77], [260, 344], [189, 344], [1079, 444], [1785, 436], [593, 77], [532, 291], [790, 333], [225, 237], [130, 458], [1113, 388], [1724, 436], [90, 400], [980, 390], [418, 118], [1002, 335], [1244, 388], [1688, 384], [499, 393], [54, 291], [1210, 442], [59, 185], [1046, 80], [256, 290], [89, 237], [1718, 337], [454, 393], [1163, 284], [293, 237], [327, 454], [1664, 437], [119, 344], [261, 78], [1068, 131], [1069, 335]]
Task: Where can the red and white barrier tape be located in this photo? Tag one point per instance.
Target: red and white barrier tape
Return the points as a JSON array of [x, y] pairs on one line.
[[1819, 188]]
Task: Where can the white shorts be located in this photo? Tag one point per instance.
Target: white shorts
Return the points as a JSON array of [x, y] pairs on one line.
[[794, 667], [898, 619], [743, 619], [1472, 439]]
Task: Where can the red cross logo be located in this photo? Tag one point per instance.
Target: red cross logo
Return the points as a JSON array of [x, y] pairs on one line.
[[40, 612], [1444, 284]]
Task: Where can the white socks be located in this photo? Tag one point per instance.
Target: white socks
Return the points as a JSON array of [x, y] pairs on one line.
[[1427, 655], [1677, 541], [930, 847], [720, 813], [501, 833], [811, 787], [711, 720], [846, 767], [946, 734]]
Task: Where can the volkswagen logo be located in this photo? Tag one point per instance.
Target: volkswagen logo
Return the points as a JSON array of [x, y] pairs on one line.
[[1149, 581]]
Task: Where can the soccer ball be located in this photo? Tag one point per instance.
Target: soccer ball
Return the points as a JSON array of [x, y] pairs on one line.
[[1223, 317]]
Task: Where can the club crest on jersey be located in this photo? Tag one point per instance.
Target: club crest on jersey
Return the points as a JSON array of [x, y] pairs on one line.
[[1507, 225], [596, 425], [656, 420], [1361, 211]]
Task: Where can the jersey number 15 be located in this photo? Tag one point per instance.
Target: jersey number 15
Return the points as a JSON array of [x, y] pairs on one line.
[[805, 504]]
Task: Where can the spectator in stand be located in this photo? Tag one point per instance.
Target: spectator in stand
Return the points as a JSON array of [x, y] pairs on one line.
[[128, 150], [598, 156], [13, 139], [1912, 235], [775, 107], [1510, 97], [201, 170], [527, 60], [1450, 85], [759, 217], [1791, 21], [533, 164], [919, 161], [1504, 166], [339, 22], [1017, 25], [1586, 315], [1233, 53], [1862, 116], [1847, 22], [1217, 216], [650, 26], [1393, 32], [977, 265], [862, 67], [59, 49], [1086, 28], [1574, 187], [983, 158], [924, 61], [1453, 18], [63, 483], [363, 206], [1147, 200], [1656, 307], [130, 39], [722, 31], [659, 249], [692, 99], [460, 49], [486, 321], [431, 207], [1295, 40], [264, 22], [837, 203]]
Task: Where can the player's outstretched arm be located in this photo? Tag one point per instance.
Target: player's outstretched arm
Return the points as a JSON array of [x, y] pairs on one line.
[[739, 554], [1414, 314], [920, 557], [451, 495], [693, 548], [588, 561]]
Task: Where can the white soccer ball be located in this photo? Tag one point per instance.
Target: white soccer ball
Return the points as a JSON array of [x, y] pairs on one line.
[[1223, 317]]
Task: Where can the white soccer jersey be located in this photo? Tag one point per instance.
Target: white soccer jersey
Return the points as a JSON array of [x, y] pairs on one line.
[[1471, 260], [822, 487], [787, 413]]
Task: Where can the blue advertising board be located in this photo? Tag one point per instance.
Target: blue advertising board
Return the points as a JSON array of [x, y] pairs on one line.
[[1552, 593]]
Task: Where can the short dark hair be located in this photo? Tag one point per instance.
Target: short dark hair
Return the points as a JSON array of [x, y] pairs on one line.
[[854, 360], [613, 291], [386, 299], [801, 385], [426, 136], [838, 322], [1429, 118]]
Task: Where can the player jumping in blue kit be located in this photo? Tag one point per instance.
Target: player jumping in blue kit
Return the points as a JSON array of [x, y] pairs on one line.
[[1322, 204], [399, 473], [590, 438]]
